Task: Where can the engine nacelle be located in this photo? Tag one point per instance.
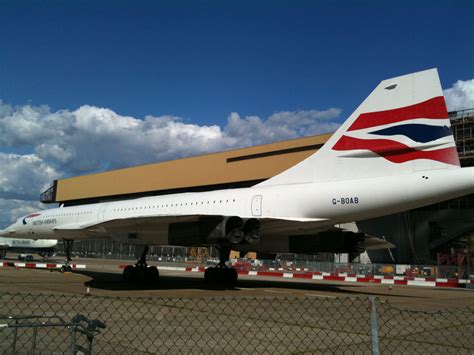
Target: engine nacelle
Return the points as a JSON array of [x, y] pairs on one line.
[[251, 231], [233, 229], [215, 230], [241, 231]]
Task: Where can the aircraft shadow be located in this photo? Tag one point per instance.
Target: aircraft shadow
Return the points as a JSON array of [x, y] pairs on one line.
[[114, 282]]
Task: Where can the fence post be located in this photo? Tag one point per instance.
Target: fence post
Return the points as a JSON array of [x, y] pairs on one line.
[[373, 326]]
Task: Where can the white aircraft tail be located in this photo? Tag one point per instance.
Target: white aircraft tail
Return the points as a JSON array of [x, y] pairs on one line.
[[401, 127]]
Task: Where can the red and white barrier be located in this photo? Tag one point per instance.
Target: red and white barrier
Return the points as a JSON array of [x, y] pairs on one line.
[[341, 277], [324, 276], [38, 265]]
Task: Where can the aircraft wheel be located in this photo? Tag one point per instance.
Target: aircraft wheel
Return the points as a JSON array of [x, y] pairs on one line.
[[221, 275], [153, 274], [129, 273], [210, 275], [65, 268], [231, 276], [142, 274]]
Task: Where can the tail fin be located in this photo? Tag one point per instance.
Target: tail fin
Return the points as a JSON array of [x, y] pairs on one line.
[[402, 127]]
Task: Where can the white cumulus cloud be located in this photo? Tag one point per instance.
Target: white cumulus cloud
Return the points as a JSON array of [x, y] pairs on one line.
[[253, 130], [24, 176], [93, 139], [460, 96]]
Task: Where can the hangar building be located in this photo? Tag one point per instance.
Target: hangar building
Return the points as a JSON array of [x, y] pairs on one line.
[[231, 169], [420, 235]]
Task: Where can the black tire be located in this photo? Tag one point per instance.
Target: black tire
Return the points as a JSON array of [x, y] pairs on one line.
[[65, 268], [129, 273], [142, 274], [232, 276], [153, 274], [221, 275], [210, 275]]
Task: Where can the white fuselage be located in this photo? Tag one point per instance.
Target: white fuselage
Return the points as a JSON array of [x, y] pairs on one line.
[[327, 203], [19, 244]]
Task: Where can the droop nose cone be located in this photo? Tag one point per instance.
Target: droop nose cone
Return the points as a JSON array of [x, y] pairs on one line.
[[9, 231]]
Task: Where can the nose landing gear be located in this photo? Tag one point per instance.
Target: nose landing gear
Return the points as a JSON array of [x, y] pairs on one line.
[[66, 267]]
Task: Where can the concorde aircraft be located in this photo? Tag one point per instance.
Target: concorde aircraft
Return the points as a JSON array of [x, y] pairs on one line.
[[43, 247], [396, 152]]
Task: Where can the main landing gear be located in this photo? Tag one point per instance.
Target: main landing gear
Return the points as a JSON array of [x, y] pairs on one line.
[[221, 274], [141, 272], [66, 267]]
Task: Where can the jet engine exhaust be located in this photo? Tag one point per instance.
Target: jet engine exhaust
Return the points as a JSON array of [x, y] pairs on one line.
[[251, 231], [233, 230]]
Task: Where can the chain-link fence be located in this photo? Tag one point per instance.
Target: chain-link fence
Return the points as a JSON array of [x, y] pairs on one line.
[[237, 325]]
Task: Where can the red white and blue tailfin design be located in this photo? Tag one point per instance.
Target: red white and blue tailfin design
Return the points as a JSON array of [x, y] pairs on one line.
[[401, 128], [419, 131]]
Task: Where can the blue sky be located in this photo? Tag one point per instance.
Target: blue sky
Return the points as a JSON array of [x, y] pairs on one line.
[[87, 86], [202, 60]]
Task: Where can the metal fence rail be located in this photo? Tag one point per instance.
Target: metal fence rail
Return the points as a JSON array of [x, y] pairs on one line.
[[77, 334], [245, 325]]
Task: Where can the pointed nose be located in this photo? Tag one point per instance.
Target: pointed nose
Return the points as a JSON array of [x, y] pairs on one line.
[[9, 231]]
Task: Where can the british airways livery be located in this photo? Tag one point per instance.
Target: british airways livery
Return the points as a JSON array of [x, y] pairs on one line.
[[396, 152], [426, 135]]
